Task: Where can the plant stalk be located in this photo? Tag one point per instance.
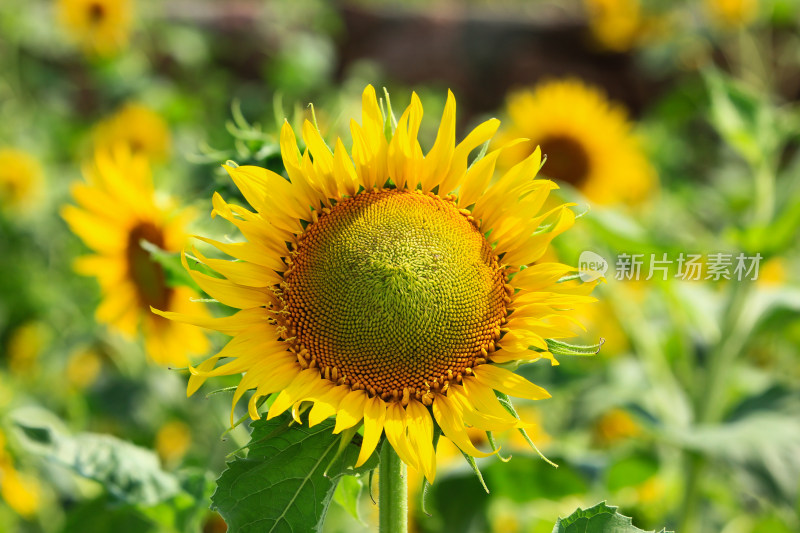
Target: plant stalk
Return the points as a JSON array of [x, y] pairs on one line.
[[392, 492], [711, 406]]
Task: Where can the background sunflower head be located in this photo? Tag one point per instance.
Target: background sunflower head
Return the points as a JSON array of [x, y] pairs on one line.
[[20, 178], [100, 27], [588, 140], [117, 212], [137, 127]]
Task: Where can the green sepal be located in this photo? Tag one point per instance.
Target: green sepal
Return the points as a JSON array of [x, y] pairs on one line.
[[505, 401], [490, 438], [475, 469], [558, 348], [481, 154], [390, 122], [223, 390]]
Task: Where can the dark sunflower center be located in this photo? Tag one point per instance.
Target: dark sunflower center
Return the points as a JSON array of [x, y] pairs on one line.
[[97, 12], [148, 276], [567, 160], [395, 292]]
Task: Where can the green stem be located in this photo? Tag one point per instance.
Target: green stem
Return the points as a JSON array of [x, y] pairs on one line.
[[711, 404], [764, 193], [392, 492]]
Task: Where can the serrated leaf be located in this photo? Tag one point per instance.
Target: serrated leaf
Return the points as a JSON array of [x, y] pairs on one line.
[[129, 473], [598, 519], [281, 486]]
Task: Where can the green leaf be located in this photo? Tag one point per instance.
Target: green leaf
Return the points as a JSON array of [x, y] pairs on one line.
[[742, 118], [281, 485], [102, 516], [347, 494], [129, 473], [598, 519], [760, 443]]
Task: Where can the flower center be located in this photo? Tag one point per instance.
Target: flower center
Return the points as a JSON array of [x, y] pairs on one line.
[[148, 276], [567, 160], [97, 12], [394, 292]]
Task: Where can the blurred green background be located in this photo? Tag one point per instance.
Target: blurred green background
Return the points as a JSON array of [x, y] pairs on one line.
[[675, 133]]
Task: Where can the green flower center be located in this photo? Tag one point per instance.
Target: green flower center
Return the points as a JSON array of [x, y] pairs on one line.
[[394, 292]]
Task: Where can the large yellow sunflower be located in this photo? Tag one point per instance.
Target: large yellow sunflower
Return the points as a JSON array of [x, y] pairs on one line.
[[587, 139], [118, 210], [139, 128], [384, 285], [100, 27]]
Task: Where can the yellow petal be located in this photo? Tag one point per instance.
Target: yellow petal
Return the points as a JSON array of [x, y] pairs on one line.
[[395, 428], [227, 292], [374, 416], [453, 427], [482, 133], [297, 391], [326, 405], [420, 433], [197, 380], [437, 161], [351, 410], [512, 384], [484, 399], [229, 325]]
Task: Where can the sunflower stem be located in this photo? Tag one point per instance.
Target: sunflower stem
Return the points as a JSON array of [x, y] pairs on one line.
[[392, 492]]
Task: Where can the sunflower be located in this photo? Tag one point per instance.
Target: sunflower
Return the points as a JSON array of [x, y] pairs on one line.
[[385, 286], [20, 178], [118, 211], [615, 24], [139, 128], [100, 27], [732, 13], [587, 140]]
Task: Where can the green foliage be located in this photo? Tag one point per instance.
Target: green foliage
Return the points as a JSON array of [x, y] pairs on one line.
[[139, 496], [598, 519], [743, 119], [288, 478], [630, 471], [760, 442], [347, 494], [129, 473]]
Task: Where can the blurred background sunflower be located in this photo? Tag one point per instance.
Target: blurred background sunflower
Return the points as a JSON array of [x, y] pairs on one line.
[[588, 141]]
